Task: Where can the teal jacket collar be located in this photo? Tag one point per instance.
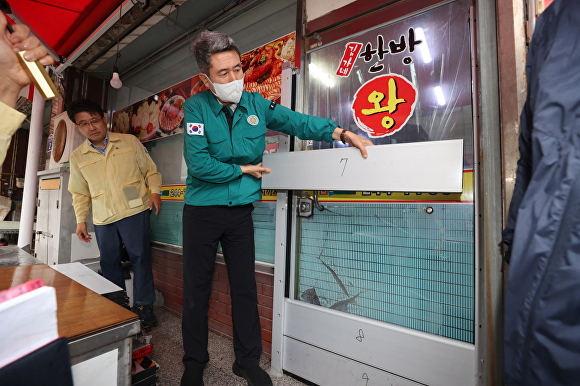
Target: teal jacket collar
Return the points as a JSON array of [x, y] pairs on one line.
[[217, 107]]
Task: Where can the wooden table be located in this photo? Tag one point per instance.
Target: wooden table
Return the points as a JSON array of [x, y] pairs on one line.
[[92, 324]]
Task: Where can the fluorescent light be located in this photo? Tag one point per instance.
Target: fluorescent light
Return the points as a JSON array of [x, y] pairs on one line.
[[423, 47], [360, 76], [413, 74], [439, 95], [318, 73]]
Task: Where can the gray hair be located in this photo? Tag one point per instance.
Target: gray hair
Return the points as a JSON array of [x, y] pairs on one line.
[[208, 43]]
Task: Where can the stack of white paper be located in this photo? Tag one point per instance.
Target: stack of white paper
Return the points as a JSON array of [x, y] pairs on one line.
[[28, 323]]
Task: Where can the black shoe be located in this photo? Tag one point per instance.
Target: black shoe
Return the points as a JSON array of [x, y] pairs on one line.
[[146, 315], [192, 377], [256, 376]]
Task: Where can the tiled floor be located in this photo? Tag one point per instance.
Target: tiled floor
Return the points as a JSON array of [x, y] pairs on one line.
[[168, 350]]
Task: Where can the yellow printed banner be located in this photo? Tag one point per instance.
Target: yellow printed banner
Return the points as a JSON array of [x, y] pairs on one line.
[[173, 192], [342, 196], [177, 193]]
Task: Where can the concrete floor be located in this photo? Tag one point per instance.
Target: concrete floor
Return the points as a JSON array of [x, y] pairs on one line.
[[168, 351]]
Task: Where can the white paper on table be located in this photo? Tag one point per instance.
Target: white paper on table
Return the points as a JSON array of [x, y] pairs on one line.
[[87, 277], [28, 322]]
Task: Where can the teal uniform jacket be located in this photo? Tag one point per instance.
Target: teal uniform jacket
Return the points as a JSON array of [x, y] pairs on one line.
[[213, 154]]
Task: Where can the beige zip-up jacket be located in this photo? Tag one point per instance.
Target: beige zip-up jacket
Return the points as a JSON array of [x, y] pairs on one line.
[[11, 121], [114, 184]]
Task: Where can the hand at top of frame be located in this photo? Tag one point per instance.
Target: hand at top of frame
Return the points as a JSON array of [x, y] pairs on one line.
[[14, 78]]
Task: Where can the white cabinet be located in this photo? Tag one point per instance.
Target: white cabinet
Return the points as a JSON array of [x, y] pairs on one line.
[[56, 222], [47, 216]]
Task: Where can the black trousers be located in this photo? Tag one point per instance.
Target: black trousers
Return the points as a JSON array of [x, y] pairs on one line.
[[203, 228]]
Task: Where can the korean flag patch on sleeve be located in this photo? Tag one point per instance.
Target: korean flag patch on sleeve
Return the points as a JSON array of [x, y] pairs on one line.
[[195, 128]]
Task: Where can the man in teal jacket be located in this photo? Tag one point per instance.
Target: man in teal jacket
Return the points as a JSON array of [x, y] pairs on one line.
[[225, 131]]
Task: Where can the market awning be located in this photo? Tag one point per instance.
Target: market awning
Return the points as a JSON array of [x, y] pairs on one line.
[[62, 25]]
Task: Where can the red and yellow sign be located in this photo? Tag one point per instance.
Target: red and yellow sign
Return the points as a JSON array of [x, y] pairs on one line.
[[349, 57], [384, 104]]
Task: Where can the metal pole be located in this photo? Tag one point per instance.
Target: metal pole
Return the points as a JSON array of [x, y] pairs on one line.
[[30, 176], [489, 200]]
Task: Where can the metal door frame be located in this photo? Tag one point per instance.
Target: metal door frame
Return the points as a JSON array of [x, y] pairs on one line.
[[489, 278]]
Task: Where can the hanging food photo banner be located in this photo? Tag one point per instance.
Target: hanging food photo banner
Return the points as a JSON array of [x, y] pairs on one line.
[[161, 115], [263, 66]]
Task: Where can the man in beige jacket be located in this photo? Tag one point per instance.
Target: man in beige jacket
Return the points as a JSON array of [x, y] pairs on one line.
[[109, 172]]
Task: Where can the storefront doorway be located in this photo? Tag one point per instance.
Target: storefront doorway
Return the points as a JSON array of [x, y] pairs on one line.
[[382, 285]]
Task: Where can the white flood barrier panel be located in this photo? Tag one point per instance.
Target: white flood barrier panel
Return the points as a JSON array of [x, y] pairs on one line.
[[429, 167]]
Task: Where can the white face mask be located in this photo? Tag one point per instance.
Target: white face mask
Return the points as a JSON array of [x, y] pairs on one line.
[[228, 92]]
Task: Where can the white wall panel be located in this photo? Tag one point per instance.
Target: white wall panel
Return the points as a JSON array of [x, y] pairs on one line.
[[317, 8]]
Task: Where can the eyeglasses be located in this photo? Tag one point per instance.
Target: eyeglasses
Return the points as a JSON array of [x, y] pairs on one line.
[[92, 122]]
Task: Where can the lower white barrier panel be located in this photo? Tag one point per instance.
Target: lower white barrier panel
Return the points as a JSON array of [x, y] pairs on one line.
[[365, 343], [325, 368]]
